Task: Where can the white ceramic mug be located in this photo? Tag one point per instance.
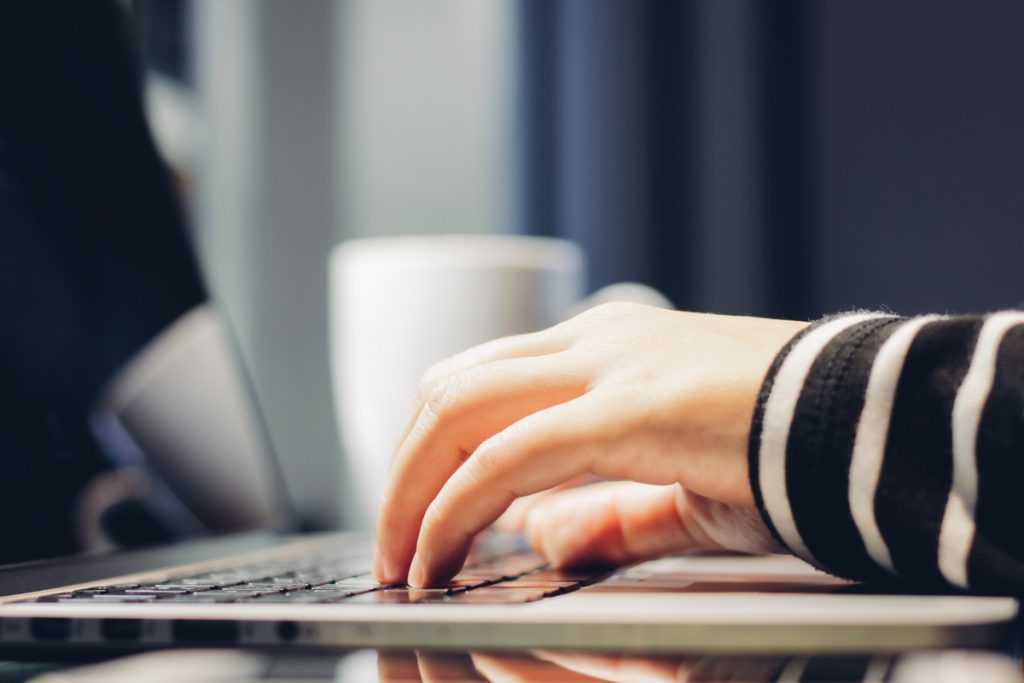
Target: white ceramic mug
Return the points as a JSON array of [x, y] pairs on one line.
[[400, 304]]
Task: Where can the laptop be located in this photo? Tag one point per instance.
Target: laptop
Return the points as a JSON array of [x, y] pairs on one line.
[[268, 588]]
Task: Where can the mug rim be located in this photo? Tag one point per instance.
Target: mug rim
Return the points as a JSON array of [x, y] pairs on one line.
[[448, 250]]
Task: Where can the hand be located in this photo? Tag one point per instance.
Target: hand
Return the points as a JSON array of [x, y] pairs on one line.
[[622, 392]]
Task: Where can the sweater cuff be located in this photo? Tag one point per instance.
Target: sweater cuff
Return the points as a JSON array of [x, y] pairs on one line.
[[802, 440], [884, 447]]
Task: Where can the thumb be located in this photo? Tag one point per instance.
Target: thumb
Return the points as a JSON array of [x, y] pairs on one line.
[[623, 522]]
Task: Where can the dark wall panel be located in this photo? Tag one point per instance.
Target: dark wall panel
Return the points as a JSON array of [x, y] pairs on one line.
[[917, 130]]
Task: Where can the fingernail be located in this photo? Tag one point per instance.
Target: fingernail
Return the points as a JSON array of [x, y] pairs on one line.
[[416, 573]]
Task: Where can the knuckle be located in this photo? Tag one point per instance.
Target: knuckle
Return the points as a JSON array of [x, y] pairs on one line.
[[601, 317], [512, 442], [440, 519], [610, 310], [481, 467], [424, 390], [617, 307], [483, 473], [433, 515], [441, 398], [431, 378]]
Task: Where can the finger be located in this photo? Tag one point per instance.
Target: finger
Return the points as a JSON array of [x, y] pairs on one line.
[[614, 523], [435, 667], [517, 667], [624, 522], [472, 407], [514, 518], [516, 346], [398, 666], [620, 668], [541, 450]]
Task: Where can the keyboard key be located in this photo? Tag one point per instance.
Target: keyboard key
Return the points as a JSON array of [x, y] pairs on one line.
[[355, 584], [303, 597], [399, 596], [342, 577], [153, 590], [290, 581], [314, 577], [229, 595], [495, 595], [252, 588], [550, 586], [568, 575], [208, 597], [118, 598], [269, 586]]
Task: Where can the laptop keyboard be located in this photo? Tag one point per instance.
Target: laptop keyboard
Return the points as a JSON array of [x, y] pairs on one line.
[[326, 579]]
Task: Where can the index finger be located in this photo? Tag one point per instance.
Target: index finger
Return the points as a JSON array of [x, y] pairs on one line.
[[529, 345], [464, 413]]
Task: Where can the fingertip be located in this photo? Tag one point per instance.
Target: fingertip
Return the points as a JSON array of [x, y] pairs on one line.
[[435, 566], [381, 566], [385, 571], [417, 574], [393, 552]]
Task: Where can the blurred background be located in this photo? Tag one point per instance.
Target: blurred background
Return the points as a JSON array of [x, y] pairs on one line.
[[786, 158]]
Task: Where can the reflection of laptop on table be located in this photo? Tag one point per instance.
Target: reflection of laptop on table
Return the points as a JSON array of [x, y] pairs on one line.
[[315, 591], [420, 666]]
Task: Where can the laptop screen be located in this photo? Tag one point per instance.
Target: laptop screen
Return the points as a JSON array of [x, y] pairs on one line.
[[95, 268]]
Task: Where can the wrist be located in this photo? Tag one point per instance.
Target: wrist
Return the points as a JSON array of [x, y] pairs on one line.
[[720, 415]]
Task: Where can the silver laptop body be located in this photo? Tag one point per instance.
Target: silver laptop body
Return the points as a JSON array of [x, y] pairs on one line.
[[696, 603]]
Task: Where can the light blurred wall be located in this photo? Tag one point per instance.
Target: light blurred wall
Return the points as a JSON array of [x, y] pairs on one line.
[[328, 119], [918, 165], [818, 155], [730, 271], [425, 118]]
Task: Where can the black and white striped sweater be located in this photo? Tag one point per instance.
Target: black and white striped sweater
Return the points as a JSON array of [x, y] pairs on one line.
[[885, 447]]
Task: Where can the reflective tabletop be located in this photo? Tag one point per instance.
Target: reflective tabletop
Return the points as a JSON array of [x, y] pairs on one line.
[[232, 666]]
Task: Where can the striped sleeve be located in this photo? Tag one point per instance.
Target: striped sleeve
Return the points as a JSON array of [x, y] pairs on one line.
[[893, 448]]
